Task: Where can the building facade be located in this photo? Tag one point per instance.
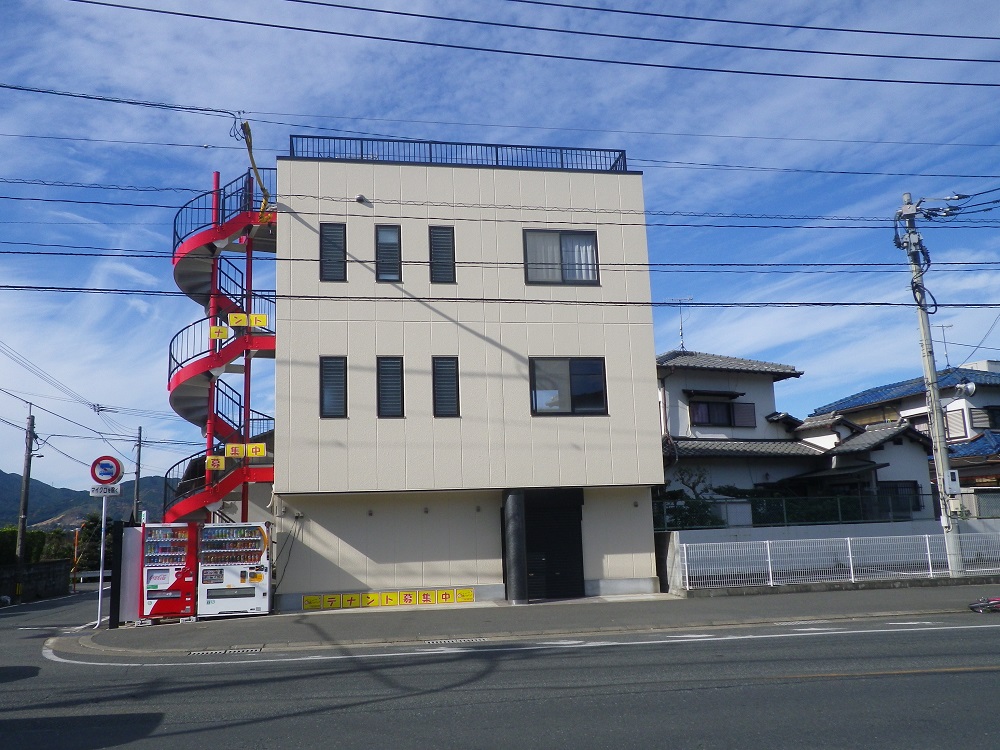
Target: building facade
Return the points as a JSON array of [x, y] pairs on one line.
[[464, 356]]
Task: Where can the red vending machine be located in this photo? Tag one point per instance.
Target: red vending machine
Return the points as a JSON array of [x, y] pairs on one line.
[[234, 574], [169, 567]]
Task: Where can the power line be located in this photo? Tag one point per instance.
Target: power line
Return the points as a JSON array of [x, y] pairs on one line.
[[633, 37], [534, 55], [500, 300], [650, 14]]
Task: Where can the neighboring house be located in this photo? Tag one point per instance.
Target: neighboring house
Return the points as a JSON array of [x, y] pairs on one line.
[[972, 423], [464, 372], [719, 420]]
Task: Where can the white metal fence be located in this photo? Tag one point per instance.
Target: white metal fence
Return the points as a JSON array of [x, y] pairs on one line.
[[851, 559]]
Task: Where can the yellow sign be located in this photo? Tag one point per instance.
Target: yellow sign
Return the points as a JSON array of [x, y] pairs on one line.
[[235, 450], [218, 332], [446, 596], [310, 601], [427, 597], [258, 320], [465, 595], [407, 597], [331, 601], [256, 450], [390, 598], [215, 463], [369, 599], [239, 320], [350, 601]]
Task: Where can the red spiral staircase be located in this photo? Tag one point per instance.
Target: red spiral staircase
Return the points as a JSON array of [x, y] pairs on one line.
[[228, 222]]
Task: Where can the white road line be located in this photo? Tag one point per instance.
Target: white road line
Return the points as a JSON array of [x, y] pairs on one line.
[[49, 653]]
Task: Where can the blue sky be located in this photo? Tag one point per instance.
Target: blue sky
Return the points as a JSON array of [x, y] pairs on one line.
[[724, 156]]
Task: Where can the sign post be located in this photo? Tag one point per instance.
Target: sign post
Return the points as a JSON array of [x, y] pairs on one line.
[[107, 472]]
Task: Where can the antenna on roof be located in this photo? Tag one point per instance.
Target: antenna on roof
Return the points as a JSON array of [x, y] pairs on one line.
[[680, 314]]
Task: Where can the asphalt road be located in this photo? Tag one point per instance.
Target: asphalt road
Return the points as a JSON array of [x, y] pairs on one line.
[[889, 682]]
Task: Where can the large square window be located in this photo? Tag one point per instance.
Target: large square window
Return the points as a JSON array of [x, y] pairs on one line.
[[568, 385], [553, 257], [388, 254]]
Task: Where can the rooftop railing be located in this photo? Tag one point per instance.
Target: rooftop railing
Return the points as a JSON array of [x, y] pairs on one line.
[[457, 154]]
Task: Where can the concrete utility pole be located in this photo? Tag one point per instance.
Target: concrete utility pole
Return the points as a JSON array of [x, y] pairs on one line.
[[138, 469], [22, 516], [917, 254]]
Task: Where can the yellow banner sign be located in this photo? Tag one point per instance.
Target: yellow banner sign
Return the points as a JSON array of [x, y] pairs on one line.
[[235, 450], [215, 463], [258, 320], [239, 320], [218, 332]]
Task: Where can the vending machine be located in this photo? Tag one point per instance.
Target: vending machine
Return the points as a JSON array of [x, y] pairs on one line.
[[169, 564], [234, 574]]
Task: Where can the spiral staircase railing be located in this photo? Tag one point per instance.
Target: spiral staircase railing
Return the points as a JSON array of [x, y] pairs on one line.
[[196, 360]]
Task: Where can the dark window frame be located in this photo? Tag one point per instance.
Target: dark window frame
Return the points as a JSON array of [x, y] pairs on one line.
[[383, 396], [389, 270], [445, 387], [565, 269], [441, 257], [326, 410], [722, 413], [577, 376], [332, 269]]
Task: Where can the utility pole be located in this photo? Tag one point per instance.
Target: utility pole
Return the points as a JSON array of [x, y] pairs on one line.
[[22, 517], [916, 253], [138, 468]]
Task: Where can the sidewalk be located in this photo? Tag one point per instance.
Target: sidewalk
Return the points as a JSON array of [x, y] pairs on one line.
[[303, 631]]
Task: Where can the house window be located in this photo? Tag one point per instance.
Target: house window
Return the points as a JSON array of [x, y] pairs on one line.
[[333, 387], [444, 374], [388, 254], [722, 414], [442, 255], [954, 424], [568, 385], [333, 252], [552, 257], [389, 376]]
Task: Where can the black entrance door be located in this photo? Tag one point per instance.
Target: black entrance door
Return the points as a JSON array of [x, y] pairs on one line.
[[554, 543]]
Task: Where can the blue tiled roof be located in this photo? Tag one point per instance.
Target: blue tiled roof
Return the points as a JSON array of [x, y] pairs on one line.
[[987, 444], [894, 391]]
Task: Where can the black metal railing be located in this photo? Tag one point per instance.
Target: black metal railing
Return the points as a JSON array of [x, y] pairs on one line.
[[457, 154], [187, 476], [192, 342], [241, 195], [670, 515]]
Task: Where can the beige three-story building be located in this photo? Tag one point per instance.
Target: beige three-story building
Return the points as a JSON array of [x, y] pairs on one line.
[[465, 373]]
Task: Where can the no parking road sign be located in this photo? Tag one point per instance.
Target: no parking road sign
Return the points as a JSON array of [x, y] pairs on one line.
[[106, 470]]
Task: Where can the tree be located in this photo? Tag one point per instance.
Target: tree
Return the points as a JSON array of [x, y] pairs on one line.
[[687, 507]]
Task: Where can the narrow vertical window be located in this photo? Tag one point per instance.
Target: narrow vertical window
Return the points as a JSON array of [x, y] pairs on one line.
[[388, 254], [442, 255], [333, 252], [444, 374], [333, 387], [389, 374]]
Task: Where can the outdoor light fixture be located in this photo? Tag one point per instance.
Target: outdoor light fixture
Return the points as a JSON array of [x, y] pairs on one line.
[[360, 198]]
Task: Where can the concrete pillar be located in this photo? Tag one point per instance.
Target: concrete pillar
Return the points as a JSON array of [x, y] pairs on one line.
[[515, 547]]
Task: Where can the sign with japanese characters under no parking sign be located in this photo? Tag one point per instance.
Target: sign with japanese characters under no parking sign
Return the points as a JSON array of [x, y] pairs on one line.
[[106, 470]]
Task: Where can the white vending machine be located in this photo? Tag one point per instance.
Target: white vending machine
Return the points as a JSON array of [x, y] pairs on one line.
[[234, 569]]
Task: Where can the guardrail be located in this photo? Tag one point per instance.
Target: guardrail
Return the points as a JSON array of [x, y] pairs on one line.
[[457, 154], [848, 559]]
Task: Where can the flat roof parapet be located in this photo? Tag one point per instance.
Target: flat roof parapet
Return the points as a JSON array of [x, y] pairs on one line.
[[443, 153]]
